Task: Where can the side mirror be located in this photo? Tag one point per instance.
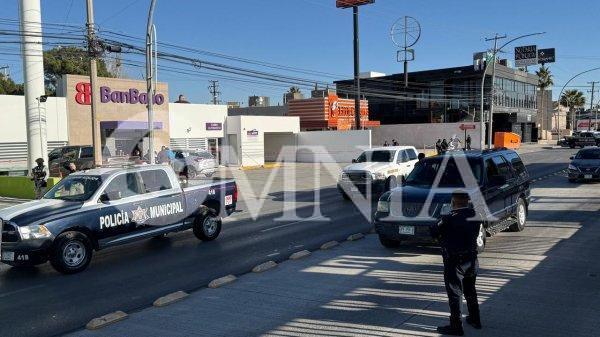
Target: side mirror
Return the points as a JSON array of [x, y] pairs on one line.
[[498, 180], [354, 161], [110, 196]]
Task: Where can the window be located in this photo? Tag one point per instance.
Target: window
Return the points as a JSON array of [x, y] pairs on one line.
[[517, 164], [126, 185], [412, 155], [426, 171], [402, 156], [502, 166], [155, 180], [70, 152], [87, 152], [380, 156], [75, 188]]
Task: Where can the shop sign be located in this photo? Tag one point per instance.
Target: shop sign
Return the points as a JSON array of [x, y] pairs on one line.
[[352, 3], [252, 133], [526, 56], [83, 95], [214, 126]]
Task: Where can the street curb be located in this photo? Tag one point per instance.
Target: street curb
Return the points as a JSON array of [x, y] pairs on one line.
[[221, 281], [329, 245], [355, 237], [102, 321], [299, 255], [170, 298], [264, 267]]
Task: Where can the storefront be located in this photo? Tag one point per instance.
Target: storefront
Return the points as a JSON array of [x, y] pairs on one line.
[[329, 113]]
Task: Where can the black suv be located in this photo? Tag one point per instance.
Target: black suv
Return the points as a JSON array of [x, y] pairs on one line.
[[497, 177]]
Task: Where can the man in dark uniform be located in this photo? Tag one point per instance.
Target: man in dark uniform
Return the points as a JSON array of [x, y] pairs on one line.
[[458, 232]]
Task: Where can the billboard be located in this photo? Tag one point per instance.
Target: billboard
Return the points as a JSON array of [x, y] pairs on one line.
[[547, 55], [352, 3], [526, 56]]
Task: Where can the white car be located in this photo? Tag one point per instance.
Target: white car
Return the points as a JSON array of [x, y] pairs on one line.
[[377, 169]]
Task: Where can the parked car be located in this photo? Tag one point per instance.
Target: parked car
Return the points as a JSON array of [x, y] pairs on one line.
[[106, 207], [583, 139], [378, 169], [192, 164], [412, 210], [585, 165]]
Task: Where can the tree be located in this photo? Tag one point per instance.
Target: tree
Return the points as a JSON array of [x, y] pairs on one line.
[[572, 99], [545, 80], [68, 60], [9, 87], [294, 90]]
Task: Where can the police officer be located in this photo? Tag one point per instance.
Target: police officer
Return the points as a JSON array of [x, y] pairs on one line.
[[39, 174], [458, 232]]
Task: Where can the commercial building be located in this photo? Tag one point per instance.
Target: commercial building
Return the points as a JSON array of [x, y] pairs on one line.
[[452, 95]]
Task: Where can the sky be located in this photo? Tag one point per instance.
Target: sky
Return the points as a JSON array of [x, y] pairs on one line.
[[316, 36]]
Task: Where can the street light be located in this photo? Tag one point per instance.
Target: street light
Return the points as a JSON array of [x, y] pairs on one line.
[[560, 95], [494, 52]]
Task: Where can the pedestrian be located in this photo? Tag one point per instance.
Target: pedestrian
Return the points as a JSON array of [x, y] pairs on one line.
[[438, 146], [444, 146], [468, 142], [39, 176], [170, 155], [385, 143], [458, 233], [394, 142], [162, 157], [421, 156]]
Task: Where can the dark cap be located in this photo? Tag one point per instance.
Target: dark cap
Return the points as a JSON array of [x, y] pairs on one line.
[[39, 160]]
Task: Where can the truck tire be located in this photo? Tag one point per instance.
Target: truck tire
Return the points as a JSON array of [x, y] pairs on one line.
[[71, 252], [207, 226], [391, 183], [388, 243], [521, 217]]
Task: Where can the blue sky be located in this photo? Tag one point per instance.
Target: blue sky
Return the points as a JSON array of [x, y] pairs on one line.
[[313, 34]]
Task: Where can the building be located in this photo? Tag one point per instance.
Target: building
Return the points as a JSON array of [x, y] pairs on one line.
[[291, 95], [329, 113], [276, 110], [262, 101], [452, 95]]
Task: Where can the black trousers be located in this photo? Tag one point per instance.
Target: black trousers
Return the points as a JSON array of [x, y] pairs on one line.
[[460, 273]]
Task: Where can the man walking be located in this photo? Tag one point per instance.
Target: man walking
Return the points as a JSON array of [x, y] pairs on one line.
[[438, 146], [468, 142], [444, 146], [458, 232], [39, 174]]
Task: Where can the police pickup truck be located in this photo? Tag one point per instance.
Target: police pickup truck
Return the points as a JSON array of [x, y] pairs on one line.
[[104, 207]]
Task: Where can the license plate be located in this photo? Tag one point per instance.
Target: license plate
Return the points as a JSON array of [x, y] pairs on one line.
[[228, 200], [407, 230], [588, 176], [8, 256]]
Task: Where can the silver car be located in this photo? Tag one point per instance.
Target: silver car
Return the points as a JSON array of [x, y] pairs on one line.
[[194, 163]]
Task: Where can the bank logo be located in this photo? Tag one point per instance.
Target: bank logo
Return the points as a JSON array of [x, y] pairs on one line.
[[139, 215], [84, 93]]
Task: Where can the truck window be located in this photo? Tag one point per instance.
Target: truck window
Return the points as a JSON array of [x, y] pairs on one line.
[[402, 156], [71, 153], [155, 180], [517, 164], [412, 154], [75, 188], [502, 166], [125, 184], [87, 152]]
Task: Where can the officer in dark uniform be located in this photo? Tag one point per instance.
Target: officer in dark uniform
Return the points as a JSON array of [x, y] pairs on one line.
[[458, 233]]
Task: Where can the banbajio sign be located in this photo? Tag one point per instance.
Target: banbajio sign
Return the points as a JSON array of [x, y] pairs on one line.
[[83, 95]]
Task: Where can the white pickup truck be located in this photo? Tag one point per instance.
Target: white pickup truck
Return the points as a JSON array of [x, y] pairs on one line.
[[377, 170]]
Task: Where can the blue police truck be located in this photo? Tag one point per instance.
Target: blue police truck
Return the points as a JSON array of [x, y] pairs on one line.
[[104, 207]]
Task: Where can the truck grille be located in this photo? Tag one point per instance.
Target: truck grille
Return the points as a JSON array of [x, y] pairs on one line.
[[359, 177], [10, 233]]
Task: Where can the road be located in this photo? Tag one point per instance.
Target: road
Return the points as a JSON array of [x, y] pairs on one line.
[[41, 302]]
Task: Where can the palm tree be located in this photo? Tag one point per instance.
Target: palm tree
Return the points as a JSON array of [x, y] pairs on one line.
[[572, 99], [544, 81]]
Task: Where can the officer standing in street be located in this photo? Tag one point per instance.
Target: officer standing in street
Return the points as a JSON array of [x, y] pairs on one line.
[[458, 232], [39, 174]]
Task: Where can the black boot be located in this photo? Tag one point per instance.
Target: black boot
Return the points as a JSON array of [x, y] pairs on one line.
[[454, 329], [473, 319]]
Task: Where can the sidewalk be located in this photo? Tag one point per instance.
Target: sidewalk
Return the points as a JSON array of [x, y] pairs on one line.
[[543, 281]]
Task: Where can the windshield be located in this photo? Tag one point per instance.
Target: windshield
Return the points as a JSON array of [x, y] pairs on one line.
[[426, 171], [379, 156], [588, 154], [75, 188]]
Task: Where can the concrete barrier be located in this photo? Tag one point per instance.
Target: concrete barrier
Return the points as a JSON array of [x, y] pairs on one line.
[[355, 237], [105, 320], [221, 281], [170, 298], [264, 267], [299, 255], [329, 245]]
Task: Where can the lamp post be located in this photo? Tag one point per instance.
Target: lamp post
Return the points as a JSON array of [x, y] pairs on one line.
[[494, 53], [561, 92], [149, 83]]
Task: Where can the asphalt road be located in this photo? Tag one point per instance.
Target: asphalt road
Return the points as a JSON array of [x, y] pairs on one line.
[[41, 302]]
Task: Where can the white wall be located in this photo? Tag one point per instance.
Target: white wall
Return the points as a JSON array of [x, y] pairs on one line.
[[280, 147], [423, 135], [194, 117], [12, 119], [332, 146]]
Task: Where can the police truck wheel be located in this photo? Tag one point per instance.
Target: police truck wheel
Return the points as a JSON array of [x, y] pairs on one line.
[[207, 226], [71, 252], [388, 243], [391, 183], [481, 239], [521, 217]]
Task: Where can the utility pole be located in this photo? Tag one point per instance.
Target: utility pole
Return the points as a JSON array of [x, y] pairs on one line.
[[493, 88], [92, 51], [150, 89], [356, 69], [213, 88], [593, 83], [33, 79]]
